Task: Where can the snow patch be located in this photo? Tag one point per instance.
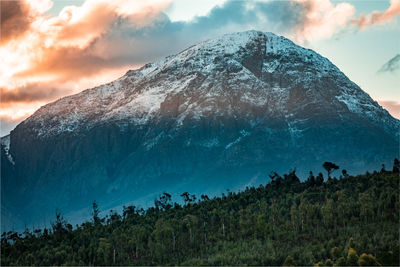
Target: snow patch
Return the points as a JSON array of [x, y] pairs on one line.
[[210, 143], [243, 133]]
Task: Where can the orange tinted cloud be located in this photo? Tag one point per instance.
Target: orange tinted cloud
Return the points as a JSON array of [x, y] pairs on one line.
[[17, 16], [15, 19], [377, 17], [17, 104], [79, 26], [322, 19], [29, 93], [65, 42], [41, 54]]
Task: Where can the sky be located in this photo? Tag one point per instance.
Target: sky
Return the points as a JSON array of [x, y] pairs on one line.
[[50, 49]]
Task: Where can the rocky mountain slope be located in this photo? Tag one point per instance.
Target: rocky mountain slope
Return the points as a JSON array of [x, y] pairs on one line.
[[220, 114]]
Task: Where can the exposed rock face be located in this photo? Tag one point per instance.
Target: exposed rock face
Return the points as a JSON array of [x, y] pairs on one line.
[[220, 114]]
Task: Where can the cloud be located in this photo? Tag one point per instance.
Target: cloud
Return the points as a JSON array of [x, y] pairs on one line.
[[17, 16], [31, 93], [55, 49], [100, 34], [302, 20], [392, 65], [79, 26], [392, 106], [15, 19], [39, 93], [322, 19], [377, 17]]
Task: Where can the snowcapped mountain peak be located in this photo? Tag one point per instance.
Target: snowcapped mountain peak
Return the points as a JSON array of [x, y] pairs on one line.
[[227, 45], [217, 77]]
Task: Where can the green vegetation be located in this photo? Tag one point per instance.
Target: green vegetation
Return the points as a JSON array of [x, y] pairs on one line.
[[353, 220]]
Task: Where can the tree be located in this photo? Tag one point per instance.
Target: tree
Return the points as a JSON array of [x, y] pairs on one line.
[[328, 213], [366, 206], [113, 218], [258, 226], [319, 180], [190, 222], [328, 262], [330, 167], [311, 179], [60, 224], [165, 201], [275, 178], [289, 261], [383, 170], [341, 262], [294, 216], [368, 260], [163, 240], [396, 165], [128, 211], [95, 213], [204, 197], [352, 244], [291, 178], [352, 257], [138, 239], [335, 253], [186, 197], [104, 252]]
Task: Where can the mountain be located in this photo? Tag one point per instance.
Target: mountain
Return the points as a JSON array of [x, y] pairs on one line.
[[220, 114]]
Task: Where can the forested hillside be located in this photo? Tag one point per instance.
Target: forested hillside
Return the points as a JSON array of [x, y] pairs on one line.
[[350, 220]]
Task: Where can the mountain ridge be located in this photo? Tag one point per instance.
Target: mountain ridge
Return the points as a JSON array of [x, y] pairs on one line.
[[220, 113], [277, 44]]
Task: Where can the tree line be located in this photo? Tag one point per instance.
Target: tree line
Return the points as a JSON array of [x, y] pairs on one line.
[[350, 220]]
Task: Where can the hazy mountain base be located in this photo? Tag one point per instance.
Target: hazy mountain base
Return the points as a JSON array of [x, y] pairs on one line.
[[118, 168], [285, 222]]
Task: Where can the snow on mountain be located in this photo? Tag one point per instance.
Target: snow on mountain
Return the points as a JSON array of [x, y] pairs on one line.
[[139, 95], [211, 117]]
